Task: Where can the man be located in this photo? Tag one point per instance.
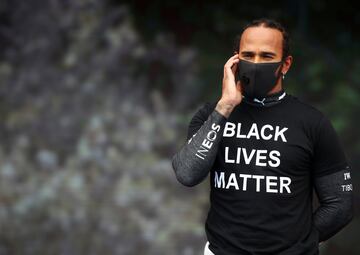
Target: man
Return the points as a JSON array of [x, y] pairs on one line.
[[265, 150]]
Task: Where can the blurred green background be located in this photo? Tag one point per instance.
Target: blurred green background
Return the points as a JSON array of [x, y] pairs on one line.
[[96, 96]]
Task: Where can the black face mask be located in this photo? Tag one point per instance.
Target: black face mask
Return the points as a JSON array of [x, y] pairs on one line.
[[257, 79]]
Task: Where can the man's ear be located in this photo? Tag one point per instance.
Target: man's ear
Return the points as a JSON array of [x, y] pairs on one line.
[[286, 64]]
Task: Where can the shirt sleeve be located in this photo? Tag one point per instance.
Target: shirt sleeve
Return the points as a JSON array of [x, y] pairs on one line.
[[329, 156], [195, 158], [336, 210]]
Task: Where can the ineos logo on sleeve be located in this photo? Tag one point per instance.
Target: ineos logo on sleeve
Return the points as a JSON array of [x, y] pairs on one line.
[[208, 142], [211, 136]]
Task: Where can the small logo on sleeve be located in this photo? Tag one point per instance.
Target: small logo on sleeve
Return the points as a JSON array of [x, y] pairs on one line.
[[347, 177]]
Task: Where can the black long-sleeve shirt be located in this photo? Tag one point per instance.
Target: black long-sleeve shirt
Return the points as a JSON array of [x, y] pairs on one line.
[[263, 164]]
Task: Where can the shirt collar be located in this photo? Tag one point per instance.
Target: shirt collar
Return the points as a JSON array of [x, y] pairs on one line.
[[268, 100]]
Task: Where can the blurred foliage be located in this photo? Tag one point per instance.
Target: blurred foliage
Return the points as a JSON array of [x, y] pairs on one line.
[[96, 96]]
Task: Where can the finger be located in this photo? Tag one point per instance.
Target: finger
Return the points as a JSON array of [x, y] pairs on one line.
[[238, 86], [234, 66], [230, 68], [234, 56], [229, 65], [231, 62]]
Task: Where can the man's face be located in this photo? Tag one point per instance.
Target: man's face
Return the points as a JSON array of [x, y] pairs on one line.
[[261, 44]]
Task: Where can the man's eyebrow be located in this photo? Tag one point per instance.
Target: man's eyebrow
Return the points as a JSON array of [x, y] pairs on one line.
[[261, 53], [247, 52], [268, 53]]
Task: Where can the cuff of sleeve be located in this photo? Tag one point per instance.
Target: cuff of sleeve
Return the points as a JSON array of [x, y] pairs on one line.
[[218, 116]]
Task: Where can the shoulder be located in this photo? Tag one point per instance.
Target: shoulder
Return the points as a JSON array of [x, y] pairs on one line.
[[210, 105], [201, 115], [314, 121], [205, 110], [305, 110]]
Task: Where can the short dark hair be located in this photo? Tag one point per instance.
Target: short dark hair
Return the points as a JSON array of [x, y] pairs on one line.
[[269, 23]]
